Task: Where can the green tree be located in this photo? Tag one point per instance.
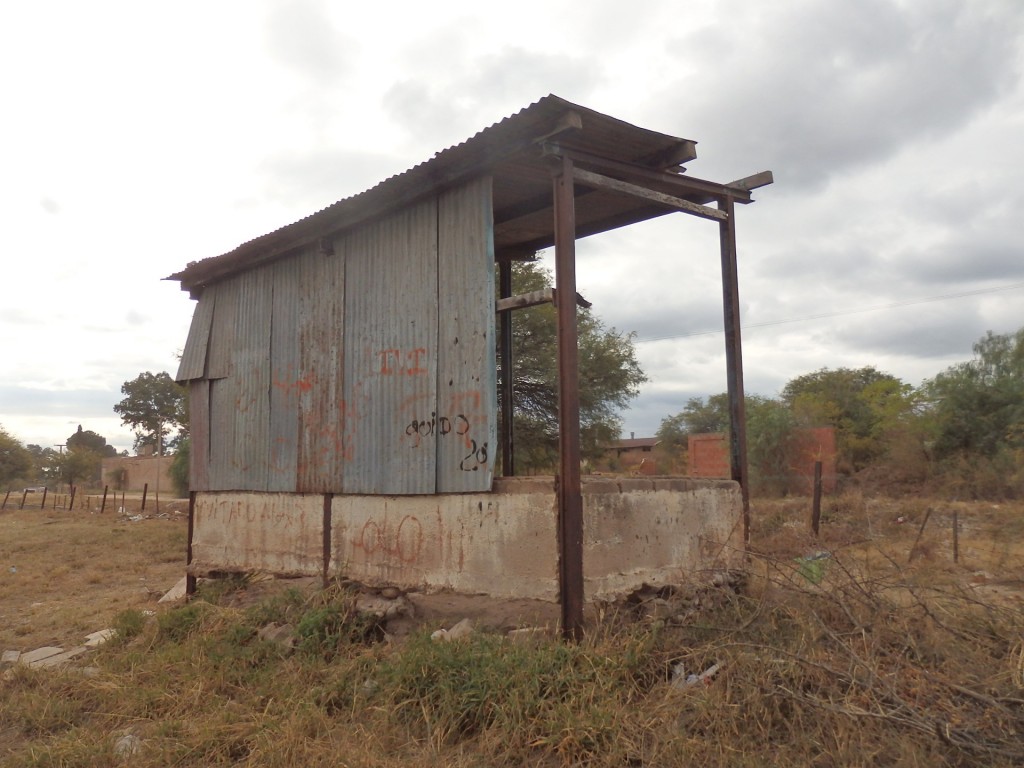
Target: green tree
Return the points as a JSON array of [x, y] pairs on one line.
[[15, 460], [609, 377], [977, 415], [155, 407], [179, 470], [87, 439], [863, 405], [76, 466]]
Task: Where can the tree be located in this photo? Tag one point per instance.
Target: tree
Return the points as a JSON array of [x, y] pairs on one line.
[[608, 380], [15, 460], [977, 416], [862, 404], [179, 470], [89, 440], [81, 464], [156, 408]]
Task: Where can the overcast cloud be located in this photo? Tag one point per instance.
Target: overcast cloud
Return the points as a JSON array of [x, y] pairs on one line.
[[139, 137]]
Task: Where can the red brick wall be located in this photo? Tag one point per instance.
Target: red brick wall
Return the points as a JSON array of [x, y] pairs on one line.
[[709, 457]]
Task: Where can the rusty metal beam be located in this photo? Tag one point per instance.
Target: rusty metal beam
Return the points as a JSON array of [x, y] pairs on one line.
[[689, 187], [570, 496], [607, 183], [505, 351], [734, 359]]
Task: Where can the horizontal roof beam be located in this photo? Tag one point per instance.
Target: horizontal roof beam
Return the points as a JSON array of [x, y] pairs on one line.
[[598, 181]]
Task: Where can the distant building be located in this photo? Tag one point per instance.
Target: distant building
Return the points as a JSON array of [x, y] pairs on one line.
[[133, 473], [635, 455]]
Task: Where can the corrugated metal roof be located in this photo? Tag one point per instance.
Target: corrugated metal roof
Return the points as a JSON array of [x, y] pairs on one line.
[[508, 150]]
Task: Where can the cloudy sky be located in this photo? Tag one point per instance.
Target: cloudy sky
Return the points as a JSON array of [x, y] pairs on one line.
[[140, 136]]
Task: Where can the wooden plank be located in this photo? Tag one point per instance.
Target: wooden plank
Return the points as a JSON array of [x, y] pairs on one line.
[[614, 185], [523, 300]]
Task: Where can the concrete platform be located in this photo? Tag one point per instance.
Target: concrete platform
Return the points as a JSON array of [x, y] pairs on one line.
[[502, 543]]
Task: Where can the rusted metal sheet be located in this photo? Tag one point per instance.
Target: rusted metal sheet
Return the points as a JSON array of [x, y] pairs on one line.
[[464, 422], [222, 467], [193, 357], [251, 375], [284, 374], [321, 447], [199, 434], [222, 331], [390, 388]]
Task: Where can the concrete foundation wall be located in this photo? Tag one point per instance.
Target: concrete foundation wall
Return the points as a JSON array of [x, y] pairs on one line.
[[503, 543]]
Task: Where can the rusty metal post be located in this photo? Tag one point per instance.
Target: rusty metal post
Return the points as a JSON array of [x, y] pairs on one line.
[[327, 540], [508, 467], [145, 492], [42, 504], [734, 359], [816, 503], [190, 580], [569, 487], [103, 505]]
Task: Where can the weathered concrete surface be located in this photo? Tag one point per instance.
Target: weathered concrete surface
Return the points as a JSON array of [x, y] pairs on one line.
[[503, 543], [275, 532]]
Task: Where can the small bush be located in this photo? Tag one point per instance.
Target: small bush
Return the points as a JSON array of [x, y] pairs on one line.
[[129, 624]]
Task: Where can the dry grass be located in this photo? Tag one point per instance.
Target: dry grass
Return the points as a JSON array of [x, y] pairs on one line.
[[74, 571], [863, 659]]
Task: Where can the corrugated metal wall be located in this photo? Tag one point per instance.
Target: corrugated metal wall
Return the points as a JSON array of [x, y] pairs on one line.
[[369, 370]]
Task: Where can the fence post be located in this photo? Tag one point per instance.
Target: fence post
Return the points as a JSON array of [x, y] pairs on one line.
[[71, 506], [920, 532], [145, 491], [6, 496], [103, 505], [23, 495], [42, 504], [816, 504]]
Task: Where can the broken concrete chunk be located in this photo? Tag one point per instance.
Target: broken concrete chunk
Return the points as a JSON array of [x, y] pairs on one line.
[[9, 657], [58, 659], [385, 608], [127, 745], [39, 654], [99, 638], [177, 592], [280, 634], [463, 629]]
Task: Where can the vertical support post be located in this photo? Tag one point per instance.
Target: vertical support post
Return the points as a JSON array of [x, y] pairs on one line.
[[74, 490], [327, 539], [42, 504], [24, 495], [816, 503], [6, 497], [103, 504], [145, 492], [507, 434], [190, 579], [734, 358], [569, 489]]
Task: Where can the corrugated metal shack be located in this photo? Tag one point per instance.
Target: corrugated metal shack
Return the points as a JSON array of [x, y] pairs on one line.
[[352, 352]]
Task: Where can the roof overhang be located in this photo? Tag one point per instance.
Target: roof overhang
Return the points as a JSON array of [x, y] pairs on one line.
[[623, 174]]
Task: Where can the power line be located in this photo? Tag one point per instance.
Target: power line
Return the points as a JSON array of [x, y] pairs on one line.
[[824, 315]]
